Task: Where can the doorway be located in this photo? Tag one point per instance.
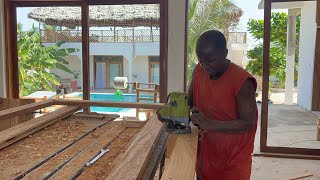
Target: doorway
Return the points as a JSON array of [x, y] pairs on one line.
[[106, 69], [154, 69]]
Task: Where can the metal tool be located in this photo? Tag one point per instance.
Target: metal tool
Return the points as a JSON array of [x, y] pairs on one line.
[[176, 112], [102, 152]]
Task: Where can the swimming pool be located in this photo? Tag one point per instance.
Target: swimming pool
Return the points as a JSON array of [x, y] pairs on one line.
[[111, 97]]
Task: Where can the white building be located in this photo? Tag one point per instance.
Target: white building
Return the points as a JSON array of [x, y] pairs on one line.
[[113, 56]]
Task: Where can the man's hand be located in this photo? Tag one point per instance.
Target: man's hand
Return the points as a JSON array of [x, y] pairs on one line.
[[198, 118]]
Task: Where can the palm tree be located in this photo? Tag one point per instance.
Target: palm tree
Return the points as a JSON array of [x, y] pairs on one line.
[[222, 15]]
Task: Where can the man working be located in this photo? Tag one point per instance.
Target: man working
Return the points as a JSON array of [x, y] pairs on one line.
[[225, 110]]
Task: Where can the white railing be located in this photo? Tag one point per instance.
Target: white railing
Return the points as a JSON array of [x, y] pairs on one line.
[[102, 36]]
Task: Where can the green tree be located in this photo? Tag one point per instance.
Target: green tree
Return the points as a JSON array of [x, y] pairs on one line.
[[36, 61], [222, 15], [278, 46]]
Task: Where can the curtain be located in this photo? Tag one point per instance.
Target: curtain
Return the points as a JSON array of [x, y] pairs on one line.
[[101, 75]]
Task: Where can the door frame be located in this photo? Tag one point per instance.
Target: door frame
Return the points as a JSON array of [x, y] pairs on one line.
[[276, 151]]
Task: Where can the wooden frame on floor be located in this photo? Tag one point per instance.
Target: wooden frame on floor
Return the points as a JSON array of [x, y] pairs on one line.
[[11, 39], [302, 152]]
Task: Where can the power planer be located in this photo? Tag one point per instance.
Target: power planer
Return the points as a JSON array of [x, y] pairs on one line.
[[176, 112]]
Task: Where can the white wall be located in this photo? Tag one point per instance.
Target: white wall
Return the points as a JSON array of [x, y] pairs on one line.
[[238, 57], [126, 67], [176, 14], [116, 49], [74, 65], [3, 87], [141, 69], [306, 54], [124, 49]]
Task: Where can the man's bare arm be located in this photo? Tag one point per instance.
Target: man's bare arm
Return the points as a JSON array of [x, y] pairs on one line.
[[246, 109]]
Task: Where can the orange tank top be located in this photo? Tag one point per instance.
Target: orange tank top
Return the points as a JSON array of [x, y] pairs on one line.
[[217, 100]]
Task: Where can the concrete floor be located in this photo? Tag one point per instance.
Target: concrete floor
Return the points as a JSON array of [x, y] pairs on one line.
[[289, 126]]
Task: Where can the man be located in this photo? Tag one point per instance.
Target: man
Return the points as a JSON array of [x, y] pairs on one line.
[[225, 110]]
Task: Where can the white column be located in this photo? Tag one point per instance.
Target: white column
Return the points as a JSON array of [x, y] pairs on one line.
[[130, 73], [176, 40], [130, 64], [291, 47], [3, 82]]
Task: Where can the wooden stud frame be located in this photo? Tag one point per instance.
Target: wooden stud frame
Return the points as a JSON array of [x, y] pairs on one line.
[[11, 38], [301, 152], [316, 72]]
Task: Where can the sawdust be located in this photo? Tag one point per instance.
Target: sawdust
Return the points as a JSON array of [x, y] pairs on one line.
[[21, 156], [60, 159], [105, 164]]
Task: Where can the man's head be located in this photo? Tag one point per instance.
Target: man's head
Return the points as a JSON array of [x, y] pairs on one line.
[[212, 51]]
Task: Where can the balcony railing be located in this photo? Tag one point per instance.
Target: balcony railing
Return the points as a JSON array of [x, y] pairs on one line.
[[102, 36], [121, 36]]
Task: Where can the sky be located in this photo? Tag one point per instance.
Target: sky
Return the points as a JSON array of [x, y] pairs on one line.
[[249, 7]]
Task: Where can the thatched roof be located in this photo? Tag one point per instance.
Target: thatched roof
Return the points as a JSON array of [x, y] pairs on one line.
[[102, 15]]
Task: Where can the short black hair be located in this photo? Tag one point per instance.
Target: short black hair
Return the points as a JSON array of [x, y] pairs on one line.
[[212, 38]]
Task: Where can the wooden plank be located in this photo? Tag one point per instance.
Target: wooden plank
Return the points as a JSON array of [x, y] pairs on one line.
[[10, 16], [86, 103], [137, 155], [146, 99], [132, 122], [11, 103], [85, 115], [20, 131], [183, 158], [316, 70], [164, 50], [85, 50], [266, 74], [21, 110], [170, 144], [86, 153], [147, 90], [122, 2], [156, 157]]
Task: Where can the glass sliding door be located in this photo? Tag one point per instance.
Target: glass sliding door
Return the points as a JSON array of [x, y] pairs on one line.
[[154, 69]]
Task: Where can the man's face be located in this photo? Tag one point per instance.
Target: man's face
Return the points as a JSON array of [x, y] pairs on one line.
[[211, 60]]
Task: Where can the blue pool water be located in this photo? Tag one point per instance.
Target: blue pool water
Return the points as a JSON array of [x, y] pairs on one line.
[[111, 97]]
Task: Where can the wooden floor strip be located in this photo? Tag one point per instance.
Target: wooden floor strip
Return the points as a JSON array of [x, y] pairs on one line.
[[59, 158], [137, 155], [182, 161], [88, 152]]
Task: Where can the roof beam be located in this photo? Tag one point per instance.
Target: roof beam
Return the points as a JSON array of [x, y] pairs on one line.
[[122, 2]]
